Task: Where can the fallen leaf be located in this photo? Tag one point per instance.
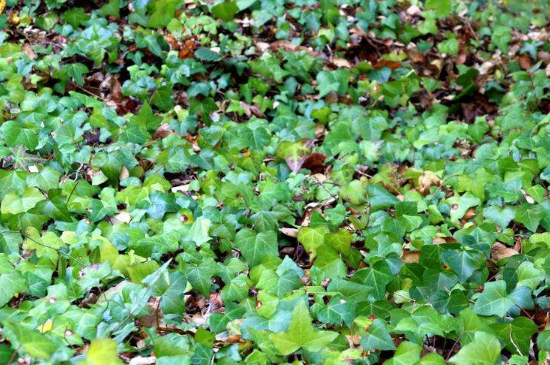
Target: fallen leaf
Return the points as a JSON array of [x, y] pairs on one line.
[[426, 181], [315, 162], [410, 257], [291, 232], [499, 251], [386, 63]]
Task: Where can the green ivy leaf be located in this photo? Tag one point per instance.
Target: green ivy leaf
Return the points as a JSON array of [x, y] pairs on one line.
[[301, 334], [225, 10], [377, 338], [493, 300], [33, 342], [15, 203], [102, 352], [255, 247], [483, 350]]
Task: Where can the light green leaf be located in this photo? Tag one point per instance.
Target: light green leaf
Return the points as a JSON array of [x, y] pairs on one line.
[[377, 338], [312, 238], [15, 203], [493, 300], [483, 350], [225, 10], [199, 231], [33, 342], [255, 247], [11, 283], [102, 352], [301, 334], [407, 353]]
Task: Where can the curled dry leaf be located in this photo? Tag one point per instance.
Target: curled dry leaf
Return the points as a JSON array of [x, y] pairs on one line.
[[291, 232], [386, 63], [340, 62], [291, 47], [124, 173], [426, 181], [162, 131], [140, 360], [410, 257], [499, 251], [123, 217], [471, 213], [315, 162]]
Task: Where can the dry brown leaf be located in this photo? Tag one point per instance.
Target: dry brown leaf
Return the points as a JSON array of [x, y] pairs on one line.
[[410, 257], [27, 48], [162, 131], [426, 181], [315, 162], [524, 61], [415, 55], [188, 49], [124, 173], [123, 217], [439, 240], [181, 188], [471, 213], [262, 46], [291, 47], [340, 62], [386, 63], [413, 10], [499, 251], [291, 232]]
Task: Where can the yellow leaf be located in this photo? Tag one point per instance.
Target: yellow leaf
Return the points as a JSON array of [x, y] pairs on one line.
[[2, 6], [102, 352], [46, 326]]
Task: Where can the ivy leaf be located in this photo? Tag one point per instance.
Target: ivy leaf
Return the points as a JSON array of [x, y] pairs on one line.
[[407, 353], [257, 138], [294, 153], [530, 216], [501, 216], [75, 17], [442, 7], [464, 262], [225, 10], [199, 231], [102, 352], [377, 338], [493, 300], [255, 247], [337, 311], [200, 276], [12, 283], [279, 283], [162, 12], [516, 334], [301, 334], [543, 340], [15, 203], [33, 342], [529, 276], [312, 238], [340, 241], [483, 350], [15, 134], [205, 54]]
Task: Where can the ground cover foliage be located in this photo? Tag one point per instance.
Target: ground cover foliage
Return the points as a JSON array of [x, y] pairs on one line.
[[271, 181]]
